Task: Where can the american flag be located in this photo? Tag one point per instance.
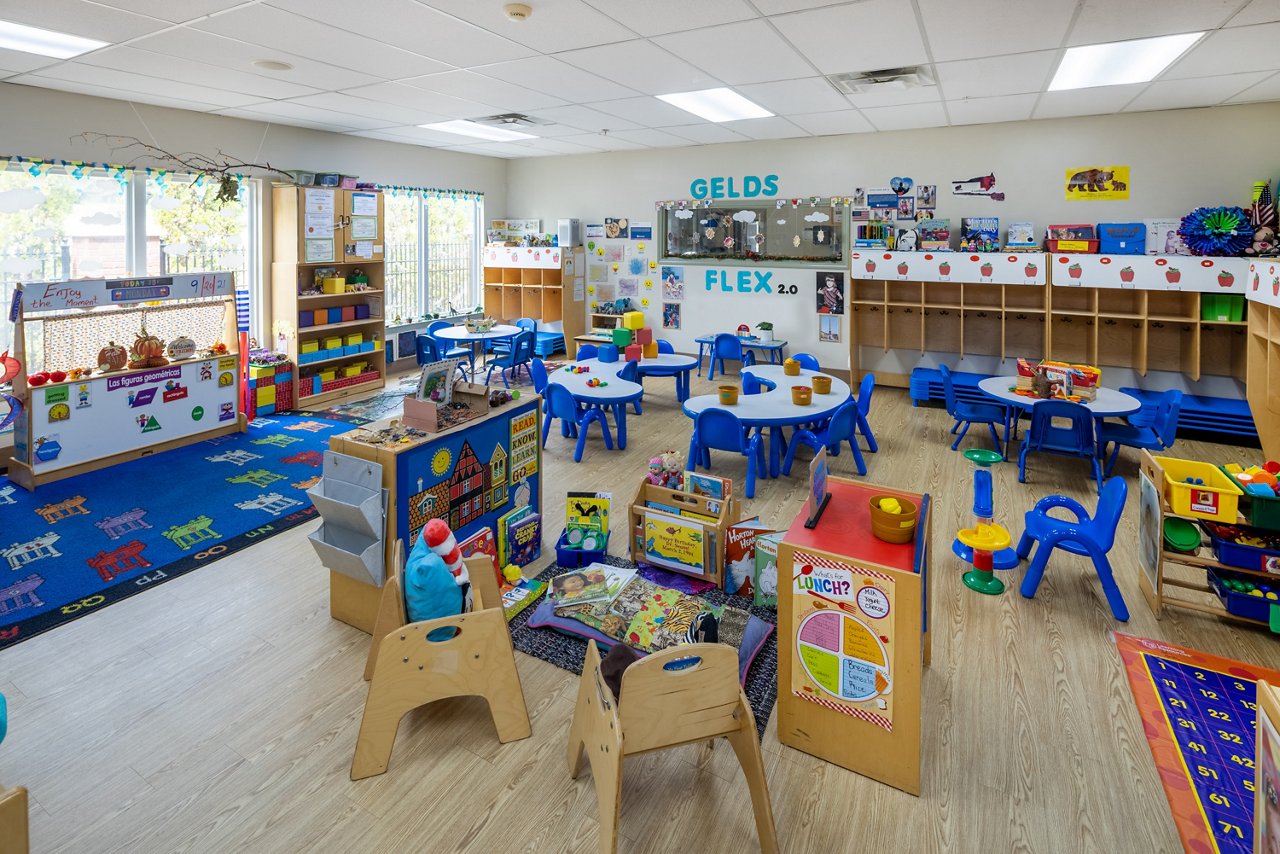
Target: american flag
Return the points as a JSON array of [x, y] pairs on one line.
[[1264, 209]]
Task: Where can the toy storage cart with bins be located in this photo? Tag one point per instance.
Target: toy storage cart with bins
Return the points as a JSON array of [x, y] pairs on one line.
[[107, 417]]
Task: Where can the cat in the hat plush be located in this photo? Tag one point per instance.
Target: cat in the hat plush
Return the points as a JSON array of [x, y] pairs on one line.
[[436, 583]]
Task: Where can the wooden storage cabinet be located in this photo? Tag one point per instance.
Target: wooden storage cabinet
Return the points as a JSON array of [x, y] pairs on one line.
[[300, 215], [536, 282], [1262, 350]]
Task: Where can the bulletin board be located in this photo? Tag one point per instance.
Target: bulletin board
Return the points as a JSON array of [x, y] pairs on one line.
[[621, 259]]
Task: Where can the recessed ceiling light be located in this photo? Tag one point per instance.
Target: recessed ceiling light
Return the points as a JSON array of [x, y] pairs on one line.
[[716, 105], [44, 42], [462, 127], [1114, 63], [272, 65]]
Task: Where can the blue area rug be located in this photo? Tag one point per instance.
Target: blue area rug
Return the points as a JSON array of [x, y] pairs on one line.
[[77, 545]]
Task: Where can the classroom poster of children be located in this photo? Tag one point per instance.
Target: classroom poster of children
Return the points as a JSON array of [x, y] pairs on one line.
[[672, 283], [830, 292], [671, 315]]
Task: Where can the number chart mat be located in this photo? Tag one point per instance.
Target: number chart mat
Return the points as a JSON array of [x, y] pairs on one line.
[[1199, 713]]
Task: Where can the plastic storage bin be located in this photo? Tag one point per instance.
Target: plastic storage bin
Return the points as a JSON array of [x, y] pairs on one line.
[[1261, 554], [570, 558], [1258, 510], [1241, 604], [1216, 498]]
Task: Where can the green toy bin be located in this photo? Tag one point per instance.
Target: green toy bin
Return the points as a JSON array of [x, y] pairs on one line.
[[1259, 511]]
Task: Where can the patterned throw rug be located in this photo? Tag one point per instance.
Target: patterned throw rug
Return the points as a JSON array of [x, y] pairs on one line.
[[74, 546], [567, 651]]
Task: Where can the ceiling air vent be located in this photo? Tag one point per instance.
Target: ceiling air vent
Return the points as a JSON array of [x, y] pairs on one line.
[[864, 82], [512, 121]]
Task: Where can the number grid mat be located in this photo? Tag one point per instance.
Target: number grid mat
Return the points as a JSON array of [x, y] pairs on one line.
[[1199, 714]]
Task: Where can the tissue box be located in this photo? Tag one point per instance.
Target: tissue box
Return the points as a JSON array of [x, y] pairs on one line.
[[622, 337], [633, 320], [643, 335]]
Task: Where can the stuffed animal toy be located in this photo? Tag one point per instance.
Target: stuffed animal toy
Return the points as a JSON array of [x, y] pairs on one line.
[[440, 539], [436, 583], [1264, 241], [656, 475], [673, 470]]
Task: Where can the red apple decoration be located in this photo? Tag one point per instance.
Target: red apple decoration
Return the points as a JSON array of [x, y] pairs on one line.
[[1126, 275], [944, 268], [1225, 279], [1074, 271], [37, 379], [902, 268], [986, 270], [1030, 270], [1173, 275], [57, 376], [1275, 286], [871, 266]]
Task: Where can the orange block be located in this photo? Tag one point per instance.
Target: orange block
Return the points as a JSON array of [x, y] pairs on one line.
[[651, 350]]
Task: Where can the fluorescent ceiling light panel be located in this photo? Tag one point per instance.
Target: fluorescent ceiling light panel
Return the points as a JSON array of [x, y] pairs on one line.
[[1115, 63], [44, 42], [462, 127], [716, 105]]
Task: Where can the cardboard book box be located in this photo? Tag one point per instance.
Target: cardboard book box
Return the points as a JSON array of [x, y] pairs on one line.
[[427, 415], [680, 531]]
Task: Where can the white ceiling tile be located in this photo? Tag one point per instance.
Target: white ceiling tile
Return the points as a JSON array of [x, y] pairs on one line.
[[888, 97], [423, 136], [745, 52], [287, 111], [1230, 51], [584, 119], [1015, 74], [652, 138], [706, 133], [1001, 108], [196, 73], [642, 66], [240, 56], [126, 85], [285, 31], [604, 143], [1267, 90], [986, 27], [420, 99], [646, 111], [1109, 21], [907, 116], [386, 136], [778, 7], [111, 92], [784, 97], [413, 27], [174, 11], [559, 146], [826, 124], [387, 114], [491, 149], [775, 127], [553, 77], [655, 17], [250, 115], [1201, 92], [505, 97], [18, 61], [79, 18], [1086, 102], [1257, 12], [555, 25], [863, 36]]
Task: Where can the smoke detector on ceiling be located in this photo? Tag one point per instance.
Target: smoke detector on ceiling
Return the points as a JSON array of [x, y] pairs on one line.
[[517, 11], [864, 82], [512, 121]]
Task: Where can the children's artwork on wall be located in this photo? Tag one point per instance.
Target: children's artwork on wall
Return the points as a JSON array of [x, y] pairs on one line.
[[907, 207], [597, 274], [830, 290], [829, 328], [628, 287], [927, 197], [636, 266], [672, 283], [1097, 182], [671, 315], [858, 199], [605, 293], [616, 228], [615, 252]]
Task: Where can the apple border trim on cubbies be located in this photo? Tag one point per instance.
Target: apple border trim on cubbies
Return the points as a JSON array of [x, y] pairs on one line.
[[1151, 272], [1264, 281], [997, 268], [532, 257]]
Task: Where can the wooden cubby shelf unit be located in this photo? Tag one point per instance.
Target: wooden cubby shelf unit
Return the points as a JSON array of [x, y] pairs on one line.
[[1263, 357], [537, 283]]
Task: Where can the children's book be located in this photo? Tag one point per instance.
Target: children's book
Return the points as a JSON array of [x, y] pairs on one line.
[[665, 508], [677, 543], [740, 555], [435, 383], [765, 578], [907, 240], [483, 542], [524, 539], [701, 517], [707, 485], [504, 529], [597, 582], [934, 235], [1163, 237], [980, 234], [516, 599], [587, 511], [1022, 237]]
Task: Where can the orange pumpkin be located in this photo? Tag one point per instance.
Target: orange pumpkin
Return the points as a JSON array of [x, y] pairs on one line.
[[112, 357], [147, 351]]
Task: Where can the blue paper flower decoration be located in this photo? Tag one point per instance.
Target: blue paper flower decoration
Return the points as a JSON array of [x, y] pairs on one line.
[[1216, 231]]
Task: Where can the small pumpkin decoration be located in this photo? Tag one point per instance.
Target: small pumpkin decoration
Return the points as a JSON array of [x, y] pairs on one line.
[[112, 357], [181, 347], [147, 351]]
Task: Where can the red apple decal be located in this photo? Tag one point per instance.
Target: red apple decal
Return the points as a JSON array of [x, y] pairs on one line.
[[986, 269], [1275, 286], [902, 268], [944, 268], [871, 266], [1256, 282], [1126, 274], [1225, 279], [1074, 271], [1030, 270], [1173, 275]]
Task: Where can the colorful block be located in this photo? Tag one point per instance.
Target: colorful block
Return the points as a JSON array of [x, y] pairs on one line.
[[333, 315], [362, 312], [633, 353], [265, 395], [607, 353], [259, 372], [309, 347], [621, 337], [306, 318], [334, 342], [348, 313], [351, 371], [644, 335], [633, 320], [651, 350], [329, 374], [353, 338]]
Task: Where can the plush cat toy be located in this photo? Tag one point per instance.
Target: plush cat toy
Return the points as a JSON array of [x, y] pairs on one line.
[[436, 583]]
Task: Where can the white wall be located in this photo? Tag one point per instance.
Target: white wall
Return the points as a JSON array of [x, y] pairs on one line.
[[1179, 160]]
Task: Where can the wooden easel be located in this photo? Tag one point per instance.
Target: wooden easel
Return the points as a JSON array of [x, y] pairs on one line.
[[406, 670], [678, 696]]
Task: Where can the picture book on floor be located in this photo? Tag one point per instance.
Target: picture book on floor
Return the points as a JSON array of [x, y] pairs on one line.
[[707, 485], [524, 539], [483, 542], [765, 579], [596, 582], [740, 555], [516, 599], [586, 522], [504, 531]]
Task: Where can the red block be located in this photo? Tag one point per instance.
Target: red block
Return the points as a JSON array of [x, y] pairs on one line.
[[643, 336], [633, 352], [348, 313]]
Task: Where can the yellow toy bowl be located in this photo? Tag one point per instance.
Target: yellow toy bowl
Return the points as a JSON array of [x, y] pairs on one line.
[[893, 527]]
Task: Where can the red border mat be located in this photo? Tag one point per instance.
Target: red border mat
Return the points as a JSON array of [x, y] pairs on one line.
[[1199, 715]]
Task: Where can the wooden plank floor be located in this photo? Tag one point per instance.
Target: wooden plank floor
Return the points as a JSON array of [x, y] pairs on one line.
[[219, 712]]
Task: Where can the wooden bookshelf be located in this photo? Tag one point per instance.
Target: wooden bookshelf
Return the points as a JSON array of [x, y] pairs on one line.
[[536, 282], [1263, 359]]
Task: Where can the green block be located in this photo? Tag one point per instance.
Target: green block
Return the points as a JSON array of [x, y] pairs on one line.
[[621, 337]]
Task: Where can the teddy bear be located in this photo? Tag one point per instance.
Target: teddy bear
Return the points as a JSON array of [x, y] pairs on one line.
[[1264, 241]]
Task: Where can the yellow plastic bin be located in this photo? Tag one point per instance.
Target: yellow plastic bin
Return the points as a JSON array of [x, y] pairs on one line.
[[1214, 496]]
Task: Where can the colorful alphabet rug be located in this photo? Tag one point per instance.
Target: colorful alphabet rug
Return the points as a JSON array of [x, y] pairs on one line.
[[74, 546], [1199, 714]]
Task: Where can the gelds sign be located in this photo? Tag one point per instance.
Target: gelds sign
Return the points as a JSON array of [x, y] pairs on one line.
[[747, 187]]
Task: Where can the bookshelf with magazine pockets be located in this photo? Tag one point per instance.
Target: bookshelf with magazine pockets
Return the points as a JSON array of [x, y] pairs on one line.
[[969, 303], [1263, 384], [681, 531], [853, 637], [1266, 765], [350, 540], [541, 282], [468, 475]]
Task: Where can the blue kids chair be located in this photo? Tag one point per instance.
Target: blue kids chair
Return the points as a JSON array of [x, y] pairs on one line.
[[969, 413], [1091, 537], [864, 409], [718, 429], [808, 362], [839, 429], [521, 354], [1075, 440], [1157, 434], [631, 373], [665, 347], [429, 351], [728, 346], [574, 420], [503, 345], [587, 351], [447, 350]]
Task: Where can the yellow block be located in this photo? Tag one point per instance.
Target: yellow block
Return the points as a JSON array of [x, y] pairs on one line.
[[312, 346], [261, 372], [651, 350], [333, 342], [350, 371], [633, 320], [355, 338], [335, 285], [330, 374], [266, 395]]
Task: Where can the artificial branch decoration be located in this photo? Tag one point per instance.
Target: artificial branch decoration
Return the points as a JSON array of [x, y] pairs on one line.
[[219, 167]]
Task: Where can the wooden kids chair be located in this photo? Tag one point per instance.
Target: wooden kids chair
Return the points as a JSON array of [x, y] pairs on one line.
[[14, 835], [407, 670], [678, 696]]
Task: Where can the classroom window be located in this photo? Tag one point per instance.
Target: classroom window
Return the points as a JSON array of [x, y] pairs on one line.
[[756, 232], [433, 256], [405, 293]]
